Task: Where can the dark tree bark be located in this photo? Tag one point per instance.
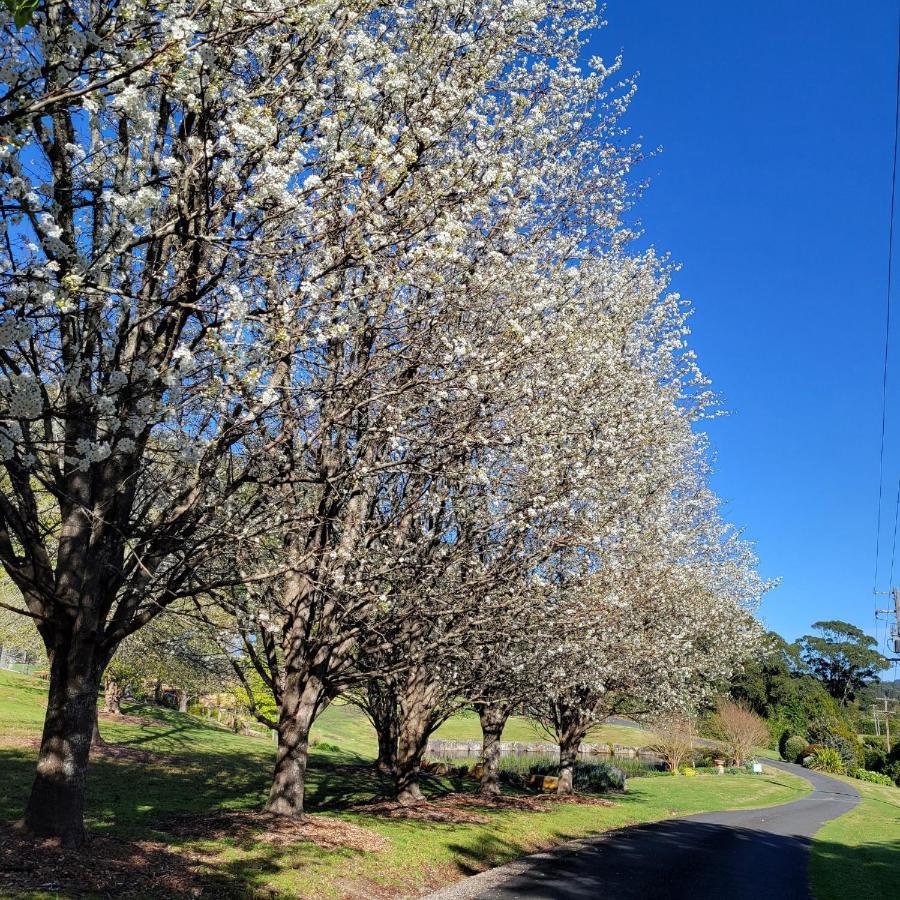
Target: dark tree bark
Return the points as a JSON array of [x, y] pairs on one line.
[[301, 702], [417, 721], [96, 737], [493, 718], [385, 717], [56, 805]]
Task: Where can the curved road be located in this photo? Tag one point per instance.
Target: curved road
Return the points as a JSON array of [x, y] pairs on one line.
[[754, 854]]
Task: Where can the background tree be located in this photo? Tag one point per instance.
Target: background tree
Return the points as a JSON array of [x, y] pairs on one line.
[[740, 729], [842, 657]]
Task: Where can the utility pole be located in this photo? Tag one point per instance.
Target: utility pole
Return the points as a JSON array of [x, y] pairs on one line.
[[885, 715]]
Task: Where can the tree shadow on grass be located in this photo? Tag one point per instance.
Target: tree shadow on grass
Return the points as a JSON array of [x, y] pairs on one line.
[[868, 870]]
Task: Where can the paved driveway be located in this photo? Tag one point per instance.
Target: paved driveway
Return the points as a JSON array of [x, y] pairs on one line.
[[758, 854]]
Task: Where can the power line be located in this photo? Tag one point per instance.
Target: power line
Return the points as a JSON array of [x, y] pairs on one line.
[[887, 323]]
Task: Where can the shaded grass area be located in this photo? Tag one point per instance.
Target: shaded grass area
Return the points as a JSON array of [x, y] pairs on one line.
[[858, 854], [157, 809]]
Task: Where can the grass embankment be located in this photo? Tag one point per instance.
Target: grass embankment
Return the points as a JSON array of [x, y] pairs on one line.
[[172, 810], [858, 854]]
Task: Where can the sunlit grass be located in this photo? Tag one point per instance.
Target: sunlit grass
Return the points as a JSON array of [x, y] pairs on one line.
[[195, 768]]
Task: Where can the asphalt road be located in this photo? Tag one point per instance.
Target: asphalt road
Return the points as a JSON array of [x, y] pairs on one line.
[[756, 854]]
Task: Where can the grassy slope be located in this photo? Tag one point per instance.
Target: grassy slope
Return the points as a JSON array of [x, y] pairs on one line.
[[206, 769], [858, 855]]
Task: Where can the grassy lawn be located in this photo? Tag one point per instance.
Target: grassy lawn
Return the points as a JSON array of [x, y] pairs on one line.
[[858, 855], [347, 727], [162, 806]]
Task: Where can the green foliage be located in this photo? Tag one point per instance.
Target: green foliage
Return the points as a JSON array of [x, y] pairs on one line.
[[827, 759], [598, 776], [874, 757], [836, 736], [260, 696], [794, 747], [775, 687], [842, 657], [21, 11], [871, 777], [592, 777], [892, 770], [690, 771]]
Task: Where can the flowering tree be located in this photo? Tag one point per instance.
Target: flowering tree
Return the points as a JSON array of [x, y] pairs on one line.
[[440, 232], [144, 165]]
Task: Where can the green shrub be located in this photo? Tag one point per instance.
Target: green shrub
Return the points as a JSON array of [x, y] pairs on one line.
[[326, 747], [793, 748], [837, 736], [826, 759], [873, 777], [589, 776], [598, 776], [687, 770], [892, 770], [875, 758]]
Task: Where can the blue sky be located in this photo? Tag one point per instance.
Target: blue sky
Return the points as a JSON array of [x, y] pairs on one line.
[[776, 122]]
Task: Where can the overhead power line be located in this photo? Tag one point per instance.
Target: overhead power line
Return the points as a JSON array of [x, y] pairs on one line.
[[887, 317]]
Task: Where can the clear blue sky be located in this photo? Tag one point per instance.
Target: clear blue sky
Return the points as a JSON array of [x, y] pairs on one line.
[[776, 122]]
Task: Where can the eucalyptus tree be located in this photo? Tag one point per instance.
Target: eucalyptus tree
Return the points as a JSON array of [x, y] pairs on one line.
[[147, 155]]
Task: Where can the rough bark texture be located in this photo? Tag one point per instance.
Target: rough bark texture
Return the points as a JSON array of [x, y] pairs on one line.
[[96, 737], [301, 699], [183, 699], [416, 724], [382, 709], [112, 695], [569, 741], [56, 805], [493, 718]]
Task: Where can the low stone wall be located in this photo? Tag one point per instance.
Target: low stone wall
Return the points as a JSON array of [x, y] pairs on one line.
[[443, 749]]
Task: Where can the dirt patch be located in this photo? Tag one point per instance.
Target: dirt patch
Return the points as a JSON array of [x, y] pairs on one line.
[[463, 809], [247, 827], [452, 808], [103, 866]]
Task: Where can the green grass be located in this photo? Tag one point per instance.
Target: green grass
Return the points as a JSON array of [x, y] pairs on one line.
[[858, 854], [195, 768], [348, 727]]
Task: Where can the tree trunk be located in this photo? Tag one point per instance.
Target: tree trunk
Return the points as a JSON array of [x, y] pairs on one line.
[[96, 737], [416, 725], [56, 805], [569, 742], [300, 704], [382, 709], [157, 693], [493, 718], [113, 695], [183, 698]]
